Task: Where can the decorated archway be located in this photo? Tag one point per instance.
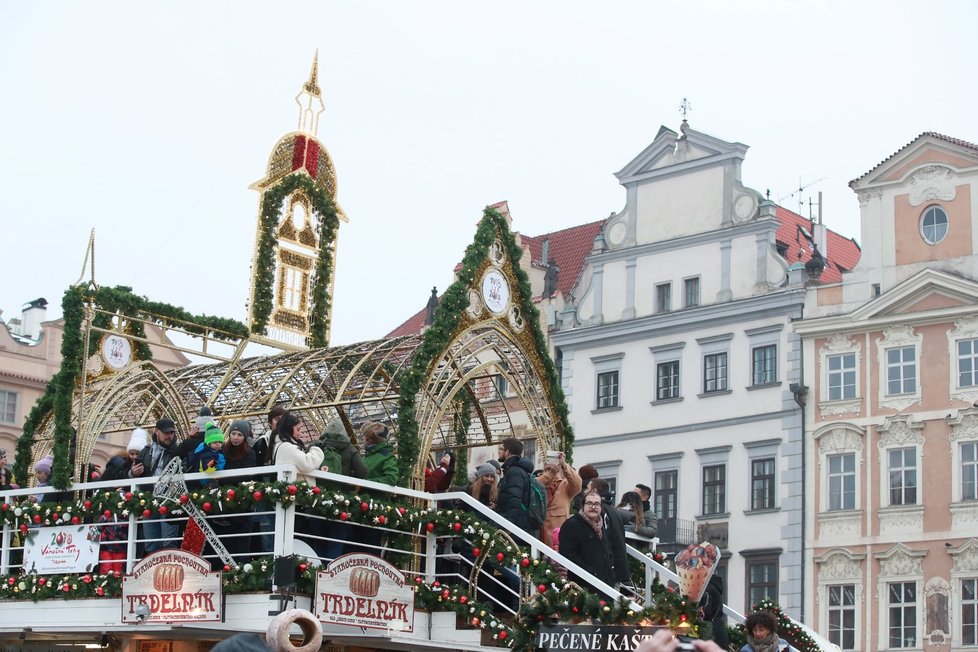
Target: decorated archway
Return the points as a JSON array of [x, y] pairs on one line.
[[480, 373]]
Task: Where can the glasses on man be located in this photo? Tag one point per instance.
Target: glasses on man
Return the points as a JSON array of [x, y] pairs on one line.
[[591, 503]]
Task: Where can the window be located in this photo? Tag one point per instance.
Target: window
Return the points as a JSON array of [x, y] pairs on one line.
[[667, 380], [764, 368], [967, 363], [901, 370], [969, 470], [714, 489], [8, 406], [608, 389], [691, 292], [969, 612], [666, 493], [902, 612], [502, 385], [762, 580], [933, 225], [902, 464], [762, 483], [842, 481], [714, 372], [842, 376], [842, 616], [663, 297]]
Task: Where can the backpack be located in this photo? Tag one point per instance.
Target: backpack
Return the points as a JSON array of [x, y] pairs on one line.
[[331, 459], [263, 454], [536, 506]]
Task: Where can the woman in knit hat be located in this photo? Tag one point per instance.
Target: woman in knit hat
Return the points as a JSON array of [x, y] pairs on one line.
[[234, 530], [137, 442]]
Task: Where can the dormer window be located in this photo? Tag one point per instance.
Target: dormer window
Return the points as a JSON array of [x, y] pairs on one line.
[[933, 225]]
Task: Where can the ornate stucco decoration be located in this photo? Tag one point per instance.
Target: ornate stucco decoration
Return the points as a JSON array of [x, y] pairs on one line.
[[839, 564], [965, 557], [937, 599], [867, 195], [931, 182], [900, 430], [964, 328], [835, 345], [841, 438], [830, 440], [900, 561], [964, 429]]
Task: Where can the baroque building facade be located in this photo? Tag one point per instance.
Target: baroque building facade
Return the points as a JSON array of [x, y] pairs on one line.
[[891, 354]]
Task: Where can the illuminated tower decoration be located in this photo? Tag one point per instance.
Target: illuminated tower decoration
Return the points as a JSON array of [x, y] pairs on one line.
[[293, 267]]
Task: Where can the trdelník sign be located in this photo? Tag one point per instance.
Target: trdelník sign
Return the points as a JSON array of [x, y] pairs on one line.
[[365, 591], [175, 586]]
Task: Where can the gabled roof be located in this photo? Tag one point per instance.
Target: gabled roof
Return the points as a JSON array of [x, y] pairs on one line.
[[795, 231], [957, 142], [568, 248], [659, 157], [910, 294]]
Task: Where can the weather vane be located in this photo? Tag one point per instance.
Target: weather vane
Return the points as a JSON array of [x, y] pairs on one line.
[[685, 108]]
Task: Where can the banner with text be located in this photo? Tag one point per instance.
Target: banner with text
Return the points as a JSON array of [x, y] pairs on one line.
[[580, 638], [174, 586], [365, 591], [62, 549]]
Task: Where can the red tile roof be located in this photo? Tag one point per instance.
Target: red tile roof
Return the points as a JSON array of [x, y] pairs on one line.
[[933, 134], [842, 253], [568, 248], [412, 326]]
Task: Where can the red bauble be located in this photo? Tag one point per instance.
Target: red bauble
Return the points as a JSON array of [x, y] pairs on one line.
[[184, 499], [540, 618], [602, 603], [65, 588], [226, 568], [463, 599], [257, 495], [127, 495], [75, 520], [317, 490], [147, 513], [99, 590], [11, 581], [574, 609], [303, 567], [500, 557], [231, 494], [542, 588], [344, 516], [87, 504], [400, 510], [5, 507], [41, 581], [503, 634], [164, 509], [206, 507], [60, 539], [445, 594], [475, 621], [364, 507], [382, 519], [37, 518], [476, 552], [524, 562], [23, 528], [457, 526], [430, 526], [87, 579], [292, 489], [56, 517]]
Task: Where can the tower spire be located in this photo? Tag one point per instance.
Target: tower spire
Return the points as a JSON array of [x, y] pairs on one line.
[[310, 100]]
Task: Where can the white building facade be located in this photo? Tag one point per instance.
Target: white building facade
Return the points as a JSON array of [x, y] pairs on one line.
[[678, 360]]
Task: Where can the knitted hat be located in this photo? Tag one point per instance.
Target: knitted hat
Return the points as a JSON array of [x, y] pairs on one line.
[[138, 440], [203, 421], [44, 464], [213, 434], [494, 464], [243, 426], [485, 469], [335, 427]]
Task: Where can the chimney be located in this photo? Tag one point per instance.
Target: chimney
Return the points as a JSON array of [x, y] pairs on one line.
[[31, 318]]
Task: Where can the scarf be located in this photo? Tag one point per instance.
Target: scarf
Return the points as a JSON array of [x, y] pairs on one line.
[[556, 482], [597, 524], [767, 644]]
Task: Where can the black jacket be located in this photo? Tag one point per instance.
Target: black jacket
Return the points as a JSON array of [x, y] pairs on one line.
[[145, 458], [616, 534], [514, 489], [579, 543]]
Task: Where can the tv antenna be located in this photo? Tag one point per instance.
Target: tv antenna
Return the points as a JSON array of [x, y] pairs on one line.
[[801, 188]]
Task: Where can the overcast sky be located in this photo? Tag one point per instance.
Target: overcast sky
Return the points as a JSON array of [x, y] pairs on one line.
[[148, 121]]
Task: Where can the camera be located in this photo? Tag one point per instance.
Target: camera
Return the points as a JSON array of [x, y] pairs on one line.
[[142, 612], [685, 643]]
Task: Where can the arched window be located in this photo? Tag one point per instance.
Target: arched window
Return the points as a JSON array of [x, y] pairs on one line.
[[933, 225]]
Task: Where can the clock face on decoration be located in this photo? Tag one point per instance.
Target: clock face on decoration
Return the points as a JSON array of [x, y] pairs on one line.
[[116, 351], [495, 291]]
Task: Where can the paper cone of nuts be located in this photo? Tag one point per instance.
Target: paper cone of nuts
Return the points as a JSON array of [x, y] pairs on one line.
[[695, 566]]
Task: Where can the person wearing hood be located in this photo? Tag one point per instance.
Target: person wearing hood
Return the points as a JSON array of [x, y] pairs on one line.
[[335, 439], [379, 454], [42, 474], [514, 488], [438, 479], [158, 532]]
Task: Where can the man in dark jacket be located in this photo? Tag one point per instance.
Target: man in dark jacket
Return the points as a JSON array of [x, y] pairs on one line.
[[335, 438], [616, 529], [158, 531], [514, 488]]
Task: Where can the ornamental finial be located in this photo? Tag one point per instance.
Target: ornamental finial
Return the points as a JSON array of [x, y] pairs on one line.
[[312, 86], [310, 100]]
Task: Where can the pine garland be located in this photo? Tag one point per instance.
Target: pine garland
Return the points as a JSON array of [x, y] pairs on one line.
[[445, 327], [271, 212]]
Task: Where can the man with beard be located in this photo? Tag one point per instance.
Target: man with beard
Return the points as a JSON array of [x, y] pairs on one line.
[[514, 488], [158, 532]]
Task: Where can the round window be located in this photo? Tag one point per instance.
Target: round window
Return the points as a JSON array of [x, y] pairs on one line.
[[933, 225]]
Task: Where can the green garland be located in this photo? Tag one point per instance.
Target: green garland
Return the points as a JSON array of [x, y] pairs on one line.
[[271, 211], [463, 420], [448, 317], [58, 394]]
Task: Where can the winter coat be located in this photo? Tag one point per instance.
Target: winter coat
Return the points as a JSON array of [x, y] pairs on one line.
[[558, 504], [352, 462], [381, 463], [617, 531], [205, 459], [285, 452], [145, 458], [782, 646], [580, 544], [646, 529], [514, 491]]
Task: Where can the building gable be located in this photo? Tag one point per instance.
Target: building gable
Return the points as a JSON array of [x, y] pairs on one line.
[[927, 149], [926, 291]]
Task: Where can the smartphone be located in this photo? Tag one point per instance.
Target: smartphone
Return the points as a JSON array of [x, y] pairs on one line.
[[553, 456]]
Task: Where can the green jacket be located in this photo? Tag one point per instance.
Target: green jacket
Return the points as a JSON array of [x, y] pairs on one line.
[[381, 463], [352, 462]]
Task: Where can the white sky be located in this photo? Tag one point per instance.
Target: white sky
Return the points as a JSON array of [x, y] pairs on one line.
[[148, 122]]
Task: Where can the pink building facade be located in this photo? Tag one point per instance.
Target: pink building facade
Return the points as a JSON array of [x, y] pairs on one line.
[[891, 427]]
